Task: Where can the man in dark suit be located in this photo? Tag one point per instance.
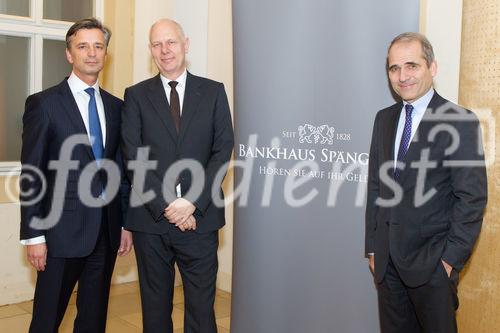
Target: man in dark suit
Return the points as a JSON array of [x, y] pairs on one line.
[[67, 240], [182, 120], [426, 195]]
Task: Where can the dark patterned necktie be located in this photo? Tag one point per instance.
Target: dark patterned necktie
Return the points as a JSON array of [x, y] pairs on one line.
[[175, 107], [405, 138]]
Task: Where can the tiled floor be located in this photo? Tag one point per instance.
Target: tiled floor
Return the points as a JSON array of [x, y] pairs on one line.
[[124, 313]]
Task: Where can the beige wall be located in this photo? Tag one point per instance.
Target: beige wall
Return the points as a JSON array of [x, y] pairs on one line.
[[119, 16], [146, 12], [220, 68], [16, 276], [480, 91]]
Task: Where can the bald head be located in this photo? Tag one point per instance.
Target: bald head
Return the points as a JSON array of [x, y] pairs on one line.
[[167, 23]]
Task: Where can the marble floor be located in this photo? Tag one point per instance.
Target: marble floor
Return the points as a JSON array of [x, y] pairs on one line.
[[124, 313]]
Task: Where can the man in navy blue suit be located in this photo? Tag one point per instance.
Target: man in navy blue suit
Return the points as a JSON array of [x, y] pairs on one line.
[[427, 191], [81, 242]]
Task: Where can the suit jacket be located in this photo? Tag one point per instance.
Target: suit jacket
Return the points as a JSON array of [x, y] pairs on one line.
[[205, 136], [52, 116], [418, 233]]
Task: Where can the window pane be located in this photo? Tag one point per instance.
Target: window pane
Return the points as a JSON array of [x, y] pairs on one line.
[[67, 10], [15, 7], [14, 88], [55, 65]]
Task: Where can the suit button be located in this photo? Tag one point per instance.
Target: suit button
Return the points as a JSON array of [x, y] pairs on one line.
[[387, 223]]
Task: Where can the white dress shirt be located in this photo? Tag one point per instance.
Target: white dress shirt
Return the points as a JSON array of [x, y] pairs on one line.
[[181, 89], [82, 99], [419, 107]]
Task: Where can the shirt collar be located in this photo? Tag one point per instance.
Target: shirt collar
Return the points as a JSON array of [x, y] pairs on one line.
[[77, 85], [181, 80], [421, 104]]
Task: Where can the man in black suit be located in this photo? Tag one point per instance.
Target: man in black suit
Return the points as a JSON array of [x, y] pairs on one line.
[[176, 119], [67, 240], [426, 195]]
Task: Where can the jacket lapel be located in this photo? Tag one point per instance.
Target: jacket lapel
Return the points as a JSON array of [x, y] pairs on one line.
[[390, 133], [159, 100], [109, 121], [71, 110], [192, 97]]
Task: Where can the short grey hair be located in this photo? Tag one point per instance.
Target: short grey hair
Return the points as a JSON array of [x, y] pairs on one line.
[[87, 23], [405, 37]]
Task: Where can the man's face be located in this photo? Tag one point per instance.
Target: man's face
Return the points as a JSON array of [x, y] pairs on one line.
[[87, 53], [168, 49], [409, 74]]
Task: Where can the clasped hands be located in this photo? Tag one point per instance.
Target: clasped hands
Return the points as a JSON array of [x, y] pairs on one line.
[[180, 213]]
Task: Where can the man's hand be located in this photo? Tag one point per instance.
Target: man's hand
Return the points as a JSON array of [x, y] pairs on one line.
[[125, 243], [190, 224], [371, 261], [447, 267], [37, 255], [179, 211]]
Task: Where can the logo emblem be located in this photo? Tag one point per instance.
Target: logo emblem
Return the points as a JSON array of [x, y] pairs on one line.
[[322, 134]]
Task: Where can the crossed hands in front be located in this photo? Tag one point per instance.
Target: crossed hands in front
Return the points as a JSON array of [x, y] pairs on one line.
[[180, 212]]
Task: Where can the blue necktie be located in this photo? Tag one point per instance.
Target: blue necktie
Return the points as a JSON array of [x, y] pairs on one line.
[[405, 138], [95, 126]]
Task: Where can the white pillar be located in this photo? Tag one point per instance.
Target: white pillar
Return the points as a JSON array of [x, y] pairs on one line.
[[441, 22]]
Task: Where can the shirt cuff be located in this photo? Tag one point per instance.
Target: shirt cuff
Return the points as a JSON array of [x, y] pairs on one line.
[[33, 241], [178, 190], [371, 253]]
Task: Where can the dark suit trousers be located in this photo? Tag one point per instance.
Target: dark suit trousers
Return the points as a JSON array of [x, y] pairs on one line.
[[196, 257], [55, 285], [424, 309]]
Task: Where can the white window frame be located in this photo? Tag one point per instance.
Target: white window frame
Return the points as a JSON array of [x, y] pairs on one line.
[[37, 29]]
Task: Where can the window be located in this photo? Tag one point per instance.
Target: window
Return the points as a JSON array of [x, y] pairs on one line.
[[67, 10], [18, 8], [32, 58]]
